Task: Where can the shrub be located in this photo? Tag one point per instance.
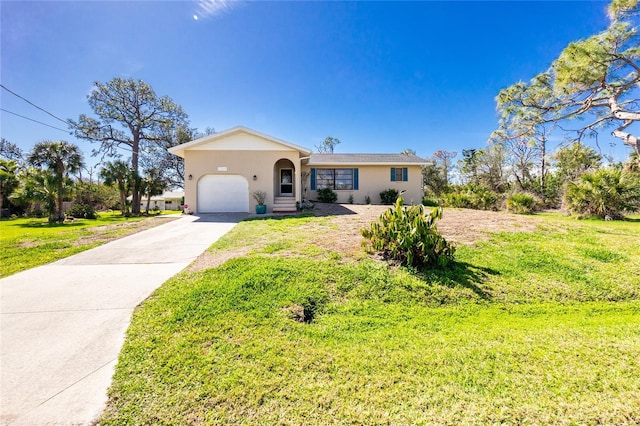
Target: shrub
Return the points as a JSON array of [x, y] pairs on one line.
[[326, 195], [367, 200], [389, 196], [430, 202], [472, 197], [605, 192], [350, 201], [409, 236], [521, 203], [82, 211]]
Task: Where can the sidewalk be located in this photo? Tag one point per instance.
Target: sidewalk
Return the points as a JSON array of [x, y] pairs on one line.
[[62, 325]]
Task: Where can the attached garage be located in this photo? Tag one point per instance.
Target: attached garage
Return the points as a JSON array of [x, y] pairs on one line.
[[223, 194]]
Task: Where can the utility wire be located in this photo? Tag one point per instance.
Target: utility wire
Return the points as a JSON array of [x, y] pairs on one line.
[[32, 104], [35, 121]]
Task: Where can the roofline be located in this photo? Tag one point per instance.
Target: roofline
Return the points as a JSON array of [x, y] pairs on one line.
[[366, 163], [179, 149]]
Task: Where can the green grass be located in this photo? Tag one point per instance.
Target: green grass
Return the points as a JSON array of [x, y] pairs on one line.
[[527, 328], [31, 242]]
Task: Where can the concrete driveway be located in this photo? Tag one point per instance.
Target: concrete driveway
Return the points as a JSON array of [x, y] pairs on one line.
[[62, 325]]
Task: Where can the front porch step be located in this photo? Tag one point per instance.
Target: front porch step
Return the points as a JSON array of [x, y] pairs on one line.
[[284, 205]]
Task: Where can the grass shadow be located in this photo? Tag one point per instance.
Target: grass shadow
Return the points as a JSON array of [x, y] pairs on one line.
[[460, 274]]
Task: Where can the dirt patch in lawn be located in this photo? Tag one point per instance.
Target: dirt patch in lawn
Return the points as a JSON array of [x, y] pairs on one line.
[[106, 233], [341, 233], [462, 226]]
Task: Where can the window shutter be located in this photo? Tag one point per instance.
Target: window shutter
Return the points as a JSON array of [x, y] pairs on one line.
[[313, 179], [393, 174], [405, 174], [355, 179]]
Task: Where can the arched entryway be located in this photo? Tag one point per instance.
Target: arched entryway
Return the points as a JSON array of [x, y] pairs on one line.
[[284, 174]]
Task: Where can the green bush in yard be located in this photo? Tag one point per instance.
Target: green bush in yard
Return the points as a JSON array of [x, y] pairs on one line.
[[326, 195], [477, 197], [521, 202], [409, 236], [389, 196], [82, 211]]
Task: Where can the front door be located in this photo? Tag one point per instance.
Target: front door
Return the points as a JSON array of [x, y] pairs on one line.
[[286, 182]]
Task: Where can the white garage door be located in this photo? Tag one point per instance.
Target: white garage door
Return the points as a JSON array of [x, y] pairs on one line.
[[223, 193]]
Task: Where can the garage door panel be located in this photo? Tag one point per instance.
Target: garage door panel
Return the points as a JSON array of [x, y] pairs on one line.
[[223, 194]]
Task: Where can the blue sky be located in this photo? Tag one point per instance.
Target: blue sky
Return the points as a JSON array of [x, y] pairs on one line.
[[380, 76]]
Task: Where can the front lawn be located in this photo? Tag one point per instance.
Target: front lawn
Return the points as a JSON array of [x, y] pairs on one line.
[[29, 242], [539, 327]]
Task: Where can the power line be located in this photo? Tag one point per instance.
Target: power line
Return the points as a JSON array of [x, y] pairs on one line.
[[35, 121], [32, 104]]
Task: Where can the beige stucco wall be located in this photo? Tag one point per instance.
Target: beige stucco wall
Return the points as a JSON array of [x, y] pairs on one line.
[[371, 181], [199, 163]]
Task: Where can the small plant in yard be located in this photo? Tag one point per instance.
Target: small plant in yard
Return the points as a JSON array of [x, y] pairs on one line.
[[389, 196], [521, 203], [259, 196], [367, 200], [326, 195], [350, 200], [409, 235]]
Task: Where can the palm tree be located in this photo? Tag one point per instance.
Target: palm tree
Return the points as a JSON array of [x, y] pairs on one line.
[[61, 158], [118, 173], [8, 179]]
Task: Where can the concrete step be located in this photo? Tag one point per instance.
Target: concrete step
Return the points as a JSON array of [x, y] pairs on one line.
[[284, 205]]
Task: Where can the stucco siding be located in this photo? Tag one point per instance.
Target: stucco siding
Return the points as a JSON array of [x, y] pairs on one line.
[[371, 181], [199, 163]]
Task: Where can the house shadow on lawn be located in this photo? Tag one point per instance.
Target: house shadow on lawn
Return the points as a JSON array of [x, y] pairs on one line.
[[460, 274], [221, 217]]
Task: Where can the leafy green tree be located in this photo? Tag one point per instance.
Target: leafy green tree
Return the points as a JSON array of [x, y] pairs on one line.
[[10, 151], [604, 192], [574, 160], [469, 165], [485, 167], [117, 173], [131, 116], [433, 178], [97, 195], [61, 159], [328, 145], [8, 179]]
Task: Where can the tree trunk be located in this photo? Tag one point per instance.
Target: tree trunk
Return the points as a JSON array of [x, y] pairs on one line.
[[148, 202], [543, 147], [1, 201], [59, 215], [123, 203], [135, 191]]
